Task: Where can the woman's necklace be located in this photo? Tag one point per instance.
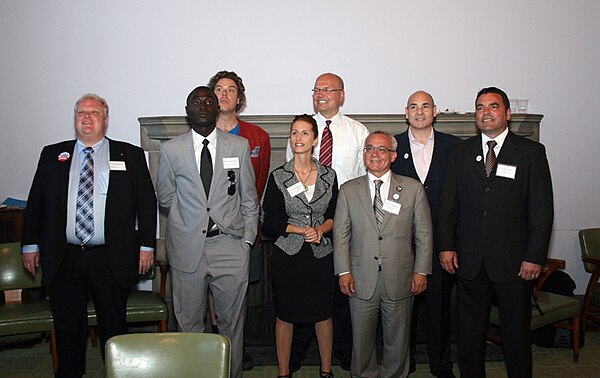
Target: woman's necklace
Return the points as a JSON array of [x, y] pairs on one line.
[[306, 179]]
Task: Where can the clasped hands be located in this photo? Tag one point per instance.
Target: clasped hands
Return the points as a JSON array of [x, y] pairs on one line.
[[312, 235]]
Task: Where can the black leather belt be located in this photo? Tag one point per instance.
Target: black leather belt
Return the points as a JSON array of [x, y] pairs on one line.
[[213, 232], [86, 247]]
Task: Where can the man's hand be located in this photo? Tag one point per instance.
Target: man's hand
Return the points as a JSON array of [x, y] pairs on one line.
[[31, 261], [419, 283], [529, 271], [347, 284], [146, 261], [449, 261]]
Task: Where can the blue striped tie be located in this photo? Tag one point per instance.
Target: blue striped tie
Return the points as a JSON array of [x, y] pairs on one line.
[[84, 215]]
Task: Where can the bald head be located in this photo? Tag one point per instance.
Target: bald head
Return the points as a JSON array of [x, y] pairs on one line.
[[328, 94], [420, 110]]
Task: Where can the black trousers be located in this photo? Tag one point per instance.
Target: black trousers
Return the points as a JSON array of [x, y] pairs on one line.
[[342, 328], [514, 303], [83, 274], [436, 300]]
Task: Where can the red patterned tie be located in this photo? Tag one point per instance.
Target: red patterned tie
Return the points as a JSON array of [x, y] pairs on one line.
[[326, 146]]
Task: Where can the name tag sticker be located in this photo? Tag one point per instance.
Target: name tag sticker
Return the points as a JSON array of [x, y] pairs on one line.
[[117, 165], [231, 162], [296, 189], [391, 207], [506, 170]]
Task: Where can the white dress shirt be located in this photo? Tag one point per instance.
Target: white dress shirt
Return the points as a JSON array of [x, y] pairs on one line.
[[348, 142]]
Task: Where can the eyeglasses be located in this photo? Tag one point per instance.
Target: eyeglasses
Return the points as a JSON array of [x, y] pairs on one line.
[[316, 91], [380, 149]]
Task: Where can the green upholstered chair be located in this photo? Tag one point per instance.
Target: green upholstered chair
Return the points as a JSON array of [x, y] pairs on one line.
[[555, 308], [142, 306], [18, 316], [168, 355], [590, 254]]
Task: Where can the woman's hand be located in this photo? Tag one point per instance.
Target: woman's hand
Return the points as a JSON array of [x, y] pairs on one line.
[[312, 235]]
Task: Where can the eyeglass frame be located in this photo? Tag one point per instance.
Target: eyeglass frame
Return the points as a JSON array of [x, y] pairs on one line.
[[316, 91], [380, 149]]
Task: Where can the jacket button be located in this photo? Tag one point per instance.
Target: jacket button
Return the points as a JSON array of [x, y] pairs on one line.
[[380, 238], [487, 189], [485, 213]]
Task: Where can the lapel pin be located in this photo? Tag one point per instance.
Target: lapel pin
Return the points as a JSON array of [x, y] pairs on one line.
[[396, 196], [63, 156], [478, 158], [406, 155], [398, 188]]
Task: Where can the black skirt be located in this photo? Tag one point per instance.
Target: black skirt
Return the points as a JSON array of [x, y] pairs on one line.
[[303, 285]]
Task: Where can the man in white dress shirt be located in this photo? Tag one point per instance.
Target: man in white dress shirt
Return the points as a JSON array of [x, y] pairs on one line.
[[348, 138]]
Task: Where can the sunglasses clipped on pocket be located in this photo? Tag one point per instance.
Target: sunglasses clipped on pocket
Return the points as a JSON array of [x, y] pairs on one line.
[[231, 186]]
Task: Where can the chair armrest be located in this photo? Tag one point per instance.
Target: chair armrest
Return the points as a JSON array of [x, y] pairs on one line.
[[591, 260], [552, 265]]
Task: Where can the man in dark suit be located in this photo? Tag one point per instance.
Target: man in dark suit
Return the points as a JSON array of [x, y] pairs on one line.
[[206, 183], [382, 246], [91, 223], [422, 155], [494, 225]]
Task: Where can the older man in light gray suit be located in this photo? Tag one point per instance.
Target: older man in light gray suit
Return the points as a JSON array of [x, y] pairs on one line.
[[378, 219], [206, 182]]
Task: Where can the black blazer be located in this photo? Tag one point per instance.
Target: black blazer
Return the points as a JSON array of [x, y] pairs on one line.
[[130, 198], [498, 222], [404, 165]]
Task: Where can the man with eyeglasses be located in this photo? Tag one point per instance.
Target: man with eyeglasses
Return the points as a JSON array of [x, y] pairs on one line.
[[341, 141], [422, 155], [206, 184], [382, 246]]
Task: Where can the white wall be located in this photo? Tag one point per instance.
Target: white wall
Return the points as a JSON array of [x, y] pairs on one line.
[[145, 56]]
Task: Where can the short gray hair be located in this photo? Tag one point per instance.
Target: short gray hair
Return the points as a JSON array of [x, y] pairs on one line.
[[93, 96]]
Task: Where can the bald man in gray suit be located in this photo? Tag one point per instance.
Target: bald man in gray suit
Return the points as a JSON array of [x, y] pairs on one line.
[[212, 221], [374, 257]]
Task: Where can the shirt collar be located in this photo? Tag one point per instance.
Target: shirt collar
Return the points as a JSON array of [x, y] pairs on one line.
[[198, 139], [80, 146], [386, 177], [412, 139], [499, 139]]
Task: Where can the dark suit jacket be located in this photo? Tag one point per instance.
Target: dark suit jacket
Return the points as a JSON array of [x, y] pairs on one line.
[[405, 166], [498, 222], [130, 198]]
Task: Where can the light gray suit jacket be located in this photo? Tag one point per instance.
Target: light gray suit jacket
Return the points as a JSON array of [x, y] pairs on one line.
[[357, 241], [181, 192]]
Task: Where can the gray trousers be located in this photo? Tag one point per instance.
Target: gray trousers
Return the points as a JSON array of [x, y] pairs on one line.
[[395, 319], [224, 269]]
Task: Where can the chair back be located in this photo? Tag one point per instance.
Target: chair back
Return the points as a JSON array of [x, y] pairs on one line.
[[13, 274], [589, 239], [170, 354]]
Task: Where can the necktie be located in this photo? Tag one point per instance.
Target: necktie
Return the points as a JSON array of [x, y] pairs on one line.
[[84, 211], [206, 168], [490, 158], [206, 172], [326, 145], [378, 204]]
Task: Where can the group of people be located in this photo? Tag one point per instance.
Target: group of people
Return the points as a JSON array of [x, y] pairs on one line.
[[365, 225]]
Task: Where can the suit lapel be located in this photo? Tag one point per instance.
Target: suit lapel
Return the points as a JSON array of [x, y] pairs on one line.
[[475, 156], [223, 146], [189, 157], [364, 197], [508, 148], [395, 188], [405, 156]]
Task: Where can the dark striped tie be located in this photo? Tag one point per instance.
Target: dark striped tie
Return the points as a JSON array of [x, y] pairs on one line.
[[84, 213], [490, 158], [326, 148], [378, 204]]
